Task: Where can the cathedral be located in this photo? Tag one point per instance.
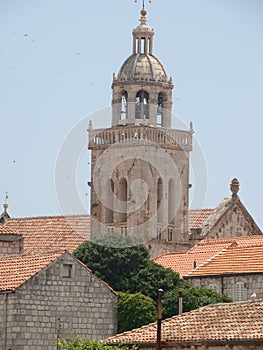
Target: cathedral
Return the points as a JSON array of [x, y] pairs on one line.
[[140, 165]]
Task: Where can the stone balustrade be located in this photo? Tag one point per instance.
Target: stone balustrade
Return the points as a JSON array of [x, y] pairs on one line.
[[130, 134]]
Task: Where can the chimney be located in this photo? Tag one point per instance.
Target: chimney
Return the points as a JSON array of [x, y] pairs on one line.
[[159, 322], [180, 303]]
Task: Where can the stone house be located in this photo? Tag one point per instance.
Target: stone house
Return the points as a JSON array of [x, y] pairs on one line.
[[235, 326], [231, 266], [47, 296], [235, 271]]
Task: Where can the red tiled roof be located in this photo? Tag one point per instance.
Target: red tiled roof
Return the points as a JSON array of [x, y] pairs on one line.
[[244, 259], [50, 233], [196, 217], [183, 263], [6, 230], [14, 271], [213, 323]]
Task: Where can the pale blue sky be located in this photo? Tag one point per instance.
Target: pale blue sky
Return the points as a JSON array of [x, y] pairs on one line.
[[57, 60]]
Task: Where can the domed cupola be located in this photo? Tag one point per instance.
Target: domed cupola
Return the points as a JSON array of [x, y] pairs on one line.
[[142, 93]]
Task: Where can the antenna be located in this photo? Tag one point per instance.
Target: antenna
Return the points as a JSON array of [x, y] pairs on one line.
[[143, 2]]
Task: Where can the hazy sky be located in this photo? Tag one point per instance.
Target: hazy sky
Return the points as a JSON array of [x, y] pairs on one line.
[[57, 60]]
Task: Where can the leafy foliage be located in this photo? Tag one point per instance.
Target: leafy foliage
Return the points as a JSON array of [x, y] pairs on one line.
[[134, 311], [115, 266], [129, 269], [193, 298], [153, 277], [84, 344]]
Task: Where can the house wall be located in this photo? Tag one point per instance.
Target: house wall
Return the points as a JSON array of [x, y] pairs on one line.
[[237, 287], [49, 306], [10, 245]]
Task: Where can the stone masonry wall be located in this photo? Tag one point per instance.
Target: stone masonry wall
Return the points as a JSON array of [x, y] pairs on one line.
[[9, 247], [49, 306], [252, 283]]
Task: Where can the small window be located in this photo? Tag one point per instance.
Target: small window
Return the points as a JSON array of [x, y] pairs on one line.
[[67, 270], [213, 287], [170, 234], [240, 291], [159, 233]]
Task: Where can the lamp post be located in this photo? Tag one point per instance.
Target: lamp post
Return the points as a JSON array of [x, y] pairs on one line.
[[159, 322]]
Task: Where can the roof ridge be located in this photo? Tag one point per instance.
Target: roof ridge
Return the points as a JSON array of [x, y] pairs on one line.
[[199, 209], [9, 257], [49, 216], [168, 253], [207, 261]]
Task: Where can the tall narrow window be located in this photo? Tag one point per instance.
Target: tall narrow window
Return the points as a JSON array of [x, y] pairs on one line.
[[171, 201], [142, 105], [124, 105], [240, 291], [109, 212], [122, 196], [160, 109], [159, 201]]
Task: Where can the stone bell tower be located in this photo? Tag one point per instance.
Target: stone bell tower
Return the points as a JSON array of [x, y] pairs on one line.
[[140, 166]]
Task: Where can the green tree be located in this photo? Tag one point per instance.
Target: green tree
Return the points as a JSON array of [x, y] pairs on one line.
[[114, 259], [85, 344], [129, 269], [134, 311], [151, 278]]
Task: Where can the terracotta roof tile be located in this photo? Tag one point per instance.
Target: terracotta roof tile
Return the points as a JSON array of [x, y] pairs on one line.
[[14, 271], [50, 233], [183, 263], [6, 230], [221, 322], [196, 217], [243, 259]]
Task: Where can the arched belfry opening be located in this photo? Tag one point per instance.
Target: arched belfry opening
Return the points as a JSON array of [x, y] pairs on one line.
[[124, 105], [142, 105], [160, 109]]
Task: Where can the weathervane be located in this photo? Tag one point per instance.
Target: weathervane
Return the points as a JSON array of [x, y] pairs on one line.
[[143, 3]]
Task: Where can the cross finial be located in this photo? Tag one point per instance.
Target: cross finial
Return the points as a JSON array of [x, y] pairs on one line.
[[143, 3], [6, 197]]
